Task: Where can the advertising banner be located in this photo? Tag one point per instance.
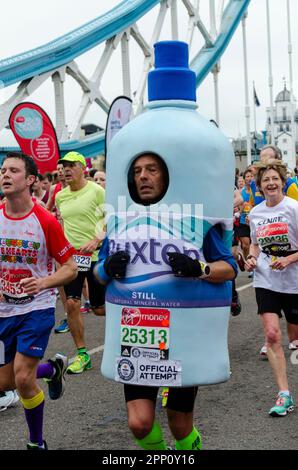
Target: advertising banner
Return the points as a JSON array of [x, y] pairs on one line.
[[35, 135], [120, 114]]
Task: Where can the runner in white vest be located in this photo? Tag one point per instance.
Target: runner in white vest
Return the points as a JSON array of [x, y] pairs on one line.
[[273, 256], [31, 240]]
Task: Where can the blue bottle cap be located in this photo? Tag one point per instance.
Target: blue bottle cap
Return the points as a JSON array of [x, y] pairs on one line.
[[172, 79]]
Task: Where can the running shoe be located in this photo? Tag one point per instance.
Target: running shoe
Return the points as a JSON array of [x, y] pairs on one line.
[[62, 327], [81, 362], [86, 307], [235, 306], [57, 383], [241, 261], [8, 399], [293, 345], [263, 352], [33, 446], [284, 405]]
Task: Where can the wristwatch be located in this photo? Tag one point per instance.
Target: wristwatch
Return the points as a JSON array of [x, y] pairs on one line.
[[205, 270]]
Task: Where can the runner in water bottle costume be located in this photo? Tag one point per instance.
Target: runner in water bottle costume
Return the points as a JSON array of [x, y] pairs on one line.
[[166, 261]]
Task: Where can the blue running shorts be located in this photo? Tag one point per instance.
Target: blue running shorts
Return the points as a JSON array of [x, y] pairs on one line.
[[27, 334]]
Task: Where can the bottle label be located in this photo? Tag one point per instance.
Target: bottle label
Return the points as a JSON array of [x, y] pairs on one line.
[[149, 280]]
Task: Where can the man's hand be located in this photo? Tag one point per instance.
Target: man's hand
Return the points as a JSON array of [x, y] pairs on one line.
[[184, 266], [115, 265], [89, 247], [32, 285]]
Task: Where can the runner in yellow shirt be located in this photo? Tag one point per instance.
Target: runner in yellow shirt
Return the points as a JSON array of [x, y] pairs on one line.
[[80, 206]]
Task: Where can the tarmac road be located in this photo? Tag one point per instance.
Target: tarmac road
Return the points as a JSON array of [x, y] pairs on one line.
[[232, 415]]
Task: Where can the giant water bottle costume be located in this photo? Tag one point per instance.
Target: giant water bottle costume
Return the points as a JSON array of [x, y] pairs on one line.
[[163, 330]]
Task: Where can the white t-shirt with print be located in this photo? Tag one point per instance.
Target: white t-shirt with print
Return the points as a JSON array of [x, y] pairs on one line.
[[275, 231], [29, 247]]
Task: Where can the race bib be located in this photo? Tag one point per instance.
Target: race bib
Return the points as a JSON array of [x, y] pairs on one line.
[[12, 291], [83, 260], [273, 238], [146, 328], [145, 341]]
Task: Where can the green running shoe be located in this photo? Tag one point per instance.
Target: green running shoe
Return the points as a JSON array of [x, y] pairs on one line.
[[284, 405], [33, 446], [81, 362]]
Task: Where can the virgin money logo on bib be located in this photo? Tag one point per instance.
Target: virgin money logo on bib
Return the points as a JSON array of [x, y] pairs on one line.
[[131, 316], [273, 230]]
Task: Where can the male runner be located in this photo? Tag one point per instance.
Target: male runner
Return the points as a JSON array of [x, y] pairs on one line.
[[150, 184], [80, 206], [31, 240], [51, 206]]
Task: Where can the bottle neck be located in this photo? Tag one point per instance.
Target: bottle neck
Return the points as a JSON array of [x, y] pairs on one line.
[[172, 104]]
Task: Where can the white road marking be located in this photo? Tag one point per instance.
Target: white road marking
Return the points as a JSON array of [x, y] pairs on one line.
[[244, 287]]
